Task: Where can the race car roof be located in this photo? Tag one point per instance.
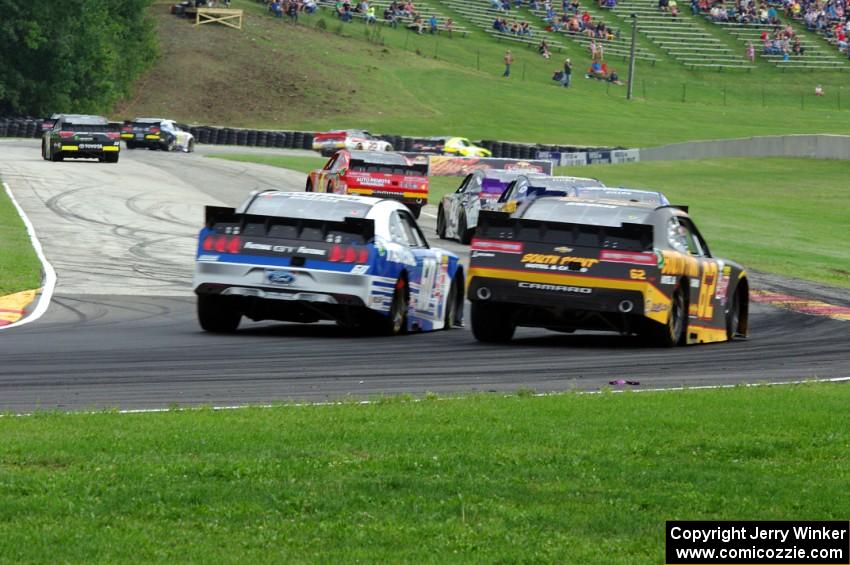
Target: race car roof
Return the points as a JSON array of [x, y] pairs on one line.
[[597, 212], [621, 193], [562, 181], [503, 174], [380, 157], [149, 120], [309, 205], [84, 119]]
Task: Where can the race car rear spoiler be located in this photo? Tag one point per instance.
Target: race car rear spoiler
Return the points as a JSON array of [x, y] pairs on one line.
[[218, 217], [626, 237]]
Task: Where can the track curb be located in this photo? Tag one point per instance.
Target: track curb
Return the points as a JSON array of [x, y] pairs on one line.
[[26, 313]]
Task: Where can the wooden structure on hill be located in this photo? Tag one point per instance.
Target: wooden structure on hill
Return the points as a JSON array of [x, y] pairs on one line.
[[229, 17]]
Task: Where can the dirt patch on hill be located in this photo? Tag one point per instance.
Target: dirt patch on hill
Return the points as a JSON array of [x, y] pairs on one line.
[[263, 75]]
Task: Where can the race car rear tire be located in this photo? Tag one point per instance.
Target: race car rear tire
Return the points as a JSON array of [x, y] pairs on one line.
[[734, 313], [464, 234], [43, 151], [454, 305], [111, 158], [492, 323], [441, 223], [190, 148], [309, 186], [56, 157], [217, 314], [396, 322], [675, 331], [131, 144]]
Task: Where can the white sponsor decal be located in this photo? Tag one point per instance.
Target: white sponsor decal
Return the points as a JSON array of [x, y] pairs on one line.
[[556, 287], [208, 258], [668, 279], [482, 254]]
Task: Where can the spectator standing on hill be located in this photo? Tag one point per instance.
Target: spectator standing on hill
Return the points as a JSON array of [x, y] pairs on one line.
[[568, 73], [509, 58], [751, 52]]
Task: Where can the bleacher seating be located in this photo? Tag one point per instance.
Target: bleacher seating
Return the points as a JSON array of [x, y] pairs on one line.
[[681, 37], [482, 15], [423, 9], [619, 46], [813, 56]]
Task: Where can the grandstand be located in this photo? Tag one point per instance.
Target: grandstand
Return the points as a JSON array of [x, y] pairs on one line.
[[424, 11], [482, 15], [681, 37], [618, 46], [814, 56]]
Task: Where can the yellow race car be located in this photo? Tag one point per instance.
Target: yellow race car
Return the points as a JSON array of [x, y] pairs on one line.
[[459, 146]]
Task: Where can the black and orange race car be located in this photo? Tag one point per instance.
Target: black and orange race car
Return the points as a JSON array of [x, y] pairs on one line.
[[568, 264]]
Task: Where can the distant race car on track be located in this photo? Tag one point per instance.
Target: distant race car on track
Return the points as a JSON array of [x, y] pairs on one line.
[[352, 139], [157, 133], [568, 264], [457, 214], [459, 146], [528, 187], [303, 257], [75, 136], [373, 173]]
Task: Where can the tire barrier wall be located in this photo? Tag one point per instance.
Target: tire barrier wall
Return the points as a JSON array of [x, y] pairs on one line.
[[214, 135]]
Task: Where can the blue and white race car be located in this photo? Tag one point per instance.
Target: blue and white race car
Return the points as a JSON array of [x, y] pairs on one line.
[[304, 257]]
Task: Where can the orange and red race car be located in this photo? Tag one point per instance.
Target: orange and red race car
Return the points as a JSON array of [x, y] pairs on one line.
[[374, 173]]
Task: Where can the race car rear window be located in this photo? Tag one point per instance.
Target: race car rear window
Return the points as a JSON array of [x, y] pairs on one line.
[[387, 169], [87, 127], [308, 207], [575, 212]]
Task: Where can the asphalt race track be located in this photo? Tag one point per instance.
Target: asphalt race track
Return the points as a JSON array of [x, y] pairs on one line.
[[121, 332]]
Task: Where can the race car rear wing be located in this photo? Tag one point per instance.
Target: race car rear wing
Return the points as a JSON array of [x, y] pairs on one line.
[[502, 226], [348, 231]]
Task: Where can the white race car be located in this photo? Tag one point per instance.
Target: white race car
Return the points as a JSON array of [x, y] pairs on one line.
[[352, 139]]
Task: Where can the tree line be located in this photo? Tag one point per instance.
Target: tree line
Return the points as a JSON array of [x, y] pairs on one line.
[[77, 56]]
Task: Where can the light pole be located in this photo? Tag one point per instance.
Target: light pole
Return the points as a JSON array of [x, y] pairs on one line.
[[632, 58]]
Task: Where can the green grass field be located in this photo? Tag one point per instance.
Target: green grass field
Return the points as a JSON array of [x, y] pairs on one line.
[[19, 265], [402, 83], [560, 479]]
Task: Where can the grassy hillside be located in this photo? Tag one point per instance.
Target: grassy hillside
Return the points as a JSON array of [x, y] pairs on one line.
[[276, 74]]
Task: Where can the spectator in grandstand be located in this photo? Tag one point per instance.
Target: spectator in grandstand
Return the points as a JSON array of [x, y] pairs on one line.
[[673, 7], [432, 24], [751, 52], [818, 90], [508, 59], [276, 8], [417, 25], [543, 49], [695, 9], [614, 78]]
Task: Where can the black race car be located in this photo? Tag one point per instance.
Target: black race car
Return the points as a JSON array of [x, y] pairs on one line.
[[75, 136], [567, 264]]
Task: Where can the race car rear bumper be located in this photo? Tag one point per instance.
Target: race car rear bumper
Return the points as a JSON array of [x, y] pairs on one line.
[[329, 294], [556, 297]]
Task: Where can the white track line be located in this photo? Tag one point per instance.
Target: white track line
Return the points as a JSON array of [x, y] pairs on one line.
[[49, 282], [365, 402]]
